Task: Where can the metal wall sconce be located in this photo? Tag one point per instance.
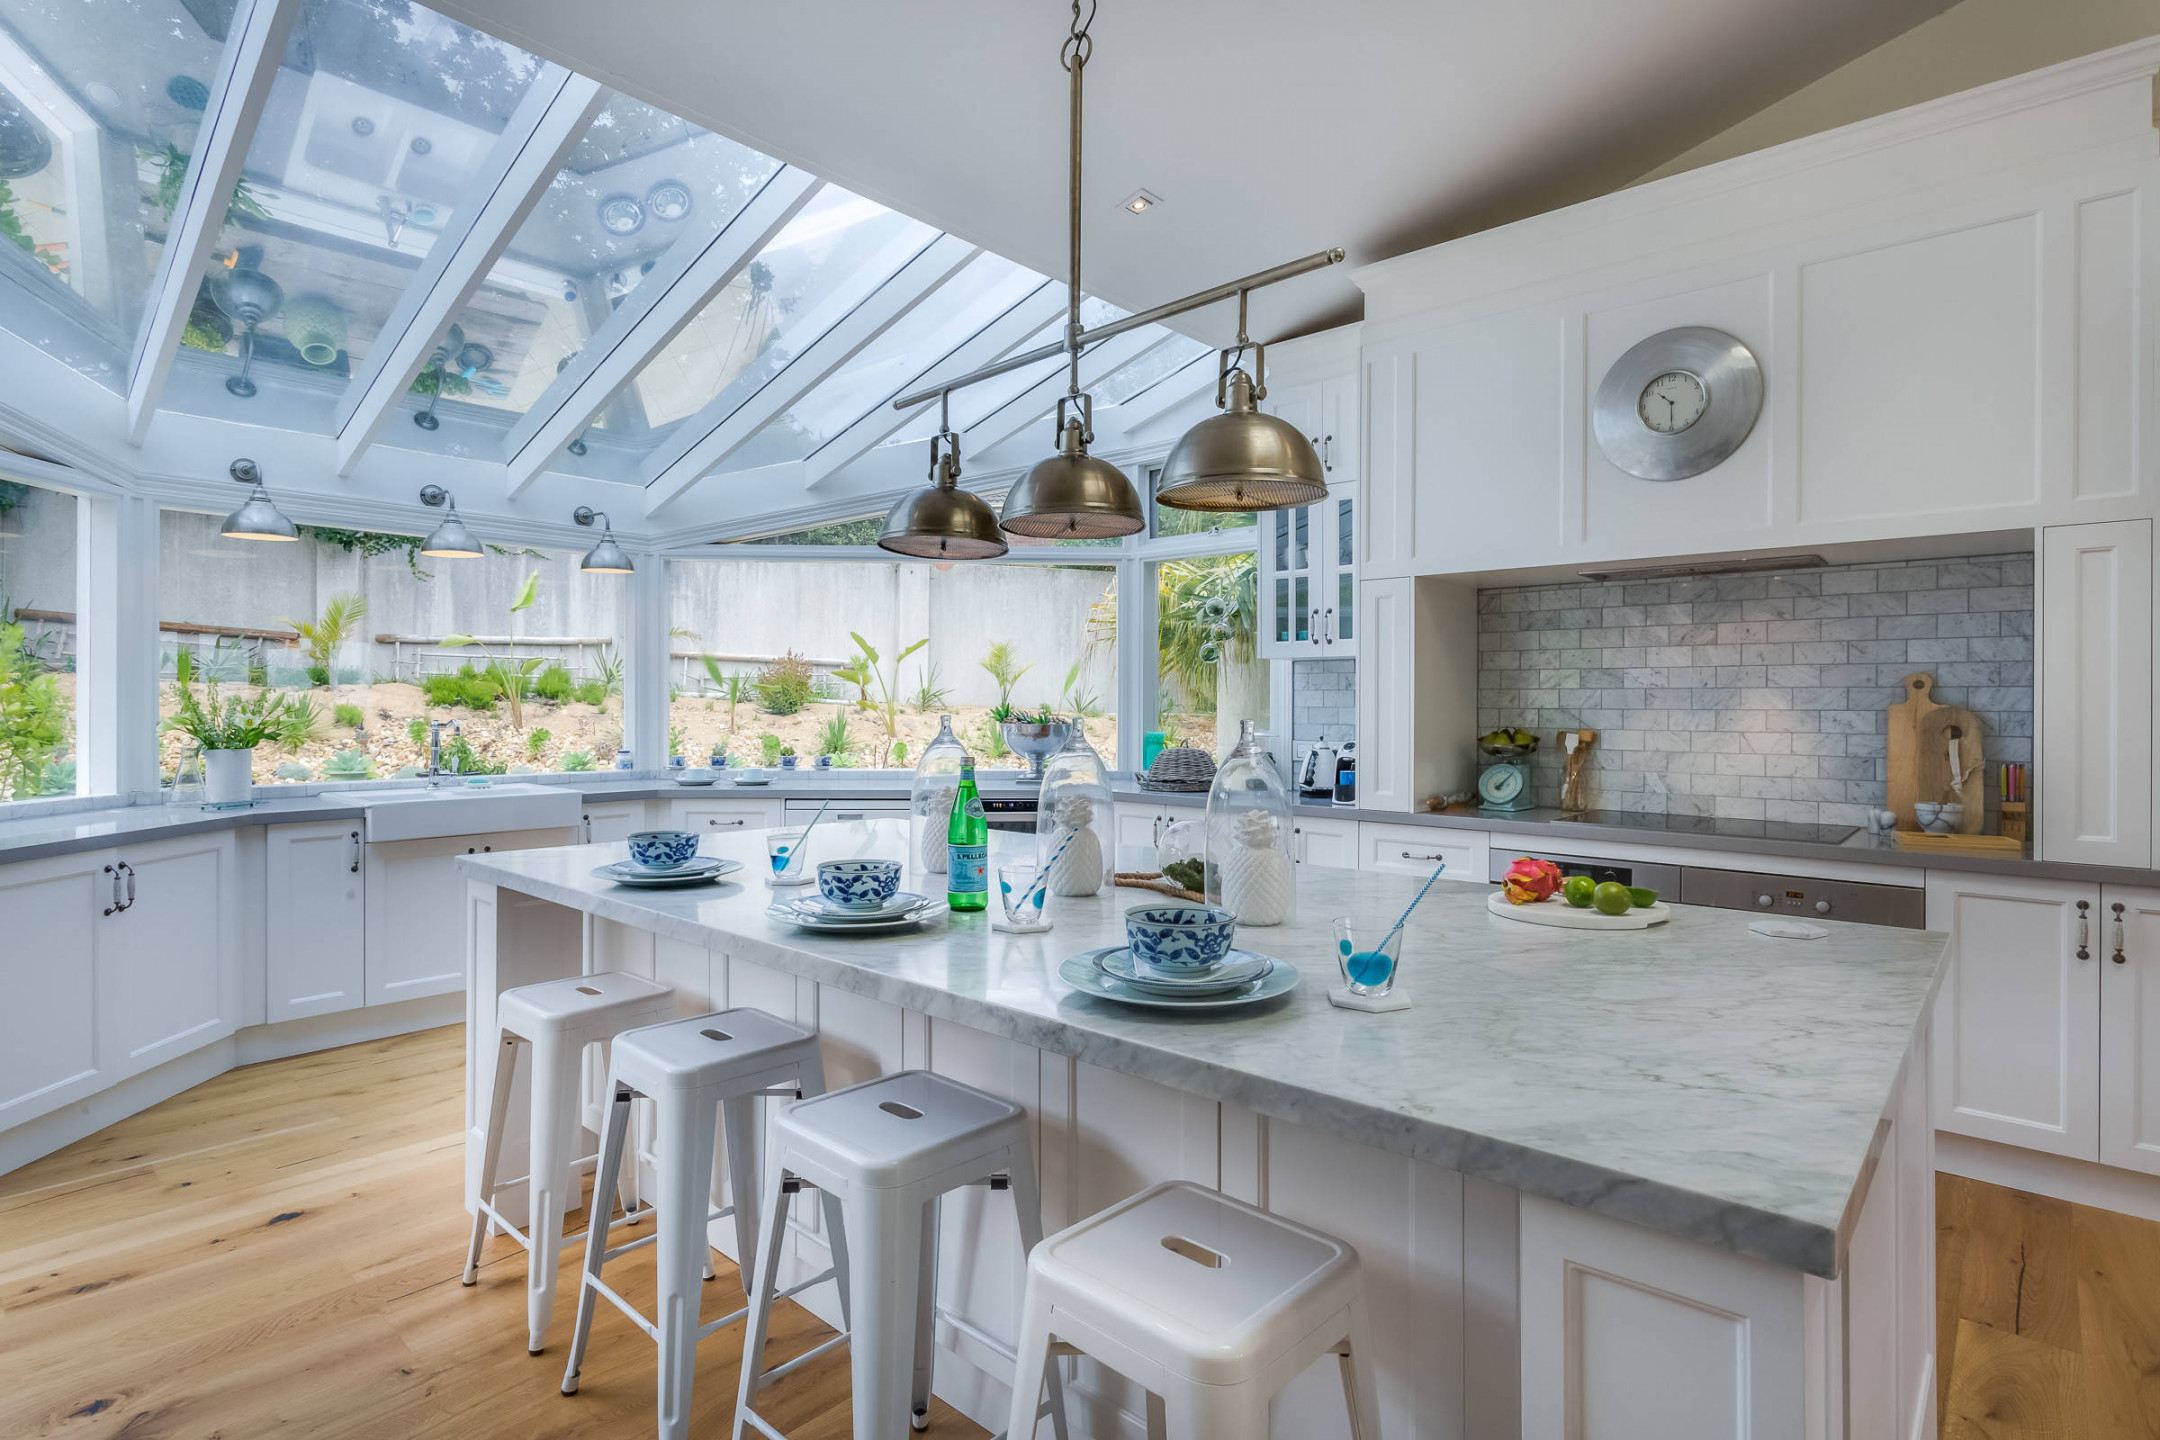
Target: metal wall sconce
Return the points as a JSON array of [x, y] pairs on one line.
[[607, 557], [449, 540], [257, 518]]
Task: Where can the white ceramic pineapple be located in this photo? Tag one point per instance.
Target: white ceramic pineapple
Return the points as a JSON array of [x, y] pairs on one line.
[[1079, 868], [937, 819], [1256, 873]]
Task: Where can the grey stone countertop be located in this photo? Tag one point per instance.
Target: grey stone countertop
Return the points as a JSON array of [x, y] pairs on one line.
[[1693, 1078]]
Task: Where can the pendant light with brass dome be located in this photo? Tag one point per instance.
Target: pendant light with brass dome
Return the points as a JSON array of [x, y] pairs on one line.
[[1241, 459], [941, 521]]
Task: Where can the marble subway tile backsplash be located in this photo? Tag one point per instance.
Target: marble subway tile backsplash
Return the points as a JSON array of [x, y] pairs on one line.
[[1758, 697]]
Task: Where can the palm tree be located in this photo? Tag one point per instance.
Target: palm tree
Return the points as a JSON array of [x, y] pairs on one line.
[[322, 639], [1207, 611]]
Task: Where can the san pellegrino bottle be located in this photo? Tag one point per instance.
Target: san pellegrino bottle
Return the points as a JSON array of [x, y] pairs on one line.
[[967, 840]]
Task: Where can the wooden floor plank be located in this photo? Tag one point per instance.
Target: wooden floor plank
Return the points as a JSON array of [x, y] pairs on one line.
[[278, 1251], [2010, 1387], [2119, 1272], [2020, 1266]]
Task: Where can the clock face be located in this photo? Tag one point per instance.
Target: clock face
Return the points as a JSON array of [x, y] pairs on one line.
[[1672, 402], [1500, 783]]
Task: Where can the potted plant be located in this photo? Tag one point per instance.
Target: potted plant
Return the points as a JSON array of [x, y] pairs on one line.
[[719, 756], [228, 728], [787, 757], [1035, 734]]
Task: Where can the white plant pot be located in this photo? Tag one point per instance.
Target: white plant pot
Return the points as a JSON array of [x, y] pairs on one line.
[[228, 776]]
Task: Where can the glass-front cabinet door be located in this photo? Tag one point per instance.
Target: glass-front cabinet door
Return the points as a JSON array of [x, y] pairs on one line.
[[1308, 582]]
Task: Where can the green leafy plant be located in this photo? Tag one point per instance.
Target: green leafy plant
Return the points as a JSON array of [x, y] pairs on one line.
[[59, 777], [929, 694], [1081, 702], [786, 685], [865, 664], [234, 722], [459, 755], [171, 163], [1002, 714], [322, 638], [677, 738], [592, 692], [834, 737], [350, 765], [416, 731], [611, 673], [990, 742], [467, 687], [554, 683], [33, 717], [1208, 611], [768, 748], [573, 761], [719, 749], [1005, 668], [786, 750], [536, 742], [511, 675], [735, 688], [899, 752], [349, 716]]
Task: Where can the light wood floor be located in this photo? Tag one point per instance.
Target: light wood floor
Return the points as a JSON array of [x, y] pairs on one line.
[[278, 1251], [2047, 1317]]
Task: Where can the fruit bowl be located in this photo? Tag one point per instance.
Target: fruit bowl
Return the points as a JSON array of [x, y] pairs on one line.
[[1507, 752]]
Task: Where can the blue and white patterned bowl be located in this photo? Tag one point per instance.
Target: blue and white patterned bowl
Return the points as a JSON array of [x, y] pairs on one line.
[[1179, 940], [861, 884], [662, 849]]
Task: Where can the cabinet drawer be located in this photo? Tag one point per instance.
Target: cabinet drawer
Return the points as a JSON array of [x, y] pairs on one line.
[[1415, 849], [726, 817]]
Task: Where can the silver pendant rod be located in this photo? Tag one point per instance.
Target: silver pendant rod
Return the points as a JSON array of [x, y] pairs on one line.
[[1081, 47], [1319, 260]]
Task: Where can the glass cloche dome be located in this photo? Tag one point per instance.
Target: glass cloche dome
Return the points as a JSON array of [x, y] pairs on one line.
[[1075, 826], [1249, 871], [930, 797]]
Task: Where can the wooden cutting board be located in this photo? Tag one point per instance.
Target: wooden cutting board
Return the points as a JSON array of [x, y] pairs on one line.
[[1920, 734]]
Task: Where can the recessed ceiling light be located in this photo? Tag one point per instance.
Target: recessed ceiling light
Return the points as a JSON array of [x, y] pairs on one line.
[[99, 93], [1140, 202]]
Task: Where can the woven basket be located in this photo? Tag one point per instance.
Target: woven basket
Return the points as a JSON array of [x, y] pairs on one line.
[[1180, 769]]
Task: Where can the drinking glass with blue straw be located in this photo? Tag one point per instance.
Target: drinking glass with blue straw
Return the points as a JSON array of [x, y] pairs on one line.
[[1368, 964]]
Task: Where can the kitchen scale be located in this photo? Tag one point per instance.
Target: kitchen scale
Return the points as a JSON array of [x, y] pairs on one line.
[[1504, 785]]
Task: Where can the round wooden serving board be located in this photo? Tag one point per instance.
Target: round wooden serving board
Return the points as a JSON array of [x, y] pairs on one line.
[[1558, 912]]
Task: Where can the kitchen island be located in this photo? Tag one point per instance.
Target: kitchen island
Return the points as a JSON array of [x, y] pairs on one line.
[[1673, 1182]]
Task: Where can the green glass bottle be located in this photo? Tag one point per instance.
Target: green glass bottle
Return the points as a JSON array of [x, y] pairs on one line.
[[967, 839]]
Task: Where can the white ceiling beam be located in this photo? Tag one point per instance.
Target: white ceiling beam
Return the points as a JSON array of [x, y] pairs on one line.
[[706, 439], [1041, 398], [543, 131], [1007, 333], [692, 271], [254, 48]]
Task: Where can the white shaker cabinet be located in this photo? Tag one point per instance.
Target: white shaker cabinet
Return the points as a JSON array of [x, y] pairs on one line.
[[727, 815], [614, 819], [50, 912], [168, 965], [1323, 840], [416, 910], [314, 919], [1416, 849], [2094, 773], [2015, 1049], [2130, 1029]]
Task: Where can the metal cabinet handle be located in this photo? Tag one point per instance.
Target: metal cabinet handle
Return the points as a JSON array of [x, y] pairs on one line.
[[1327, 453], [2117, 957], [1408, 856], [731, 824], [2083, 933], [588, 829], [356, 852], [1330, 614], [116, 907], [129, 871], [1312, 624]]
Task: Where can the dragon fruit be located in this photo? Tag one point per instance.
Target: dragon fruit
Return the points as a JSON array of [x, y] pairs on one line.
[[1529, 881]]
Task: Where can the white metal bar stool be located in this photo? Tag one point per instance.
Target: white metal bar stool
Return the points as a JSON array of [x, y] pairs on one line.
[[1212, 1305], [558, 1019], [695, 1071], [881, 1153]]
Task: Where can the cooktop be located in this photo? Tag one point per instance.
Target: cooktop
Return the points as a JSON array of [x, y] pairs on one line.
[[1685, 825]]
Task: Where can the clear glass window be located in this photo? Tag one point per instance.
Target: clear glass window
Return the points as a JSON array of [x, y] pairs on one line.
[[371, 638], [1209, 674], [1169, 520], [765, 657], [39, 637]]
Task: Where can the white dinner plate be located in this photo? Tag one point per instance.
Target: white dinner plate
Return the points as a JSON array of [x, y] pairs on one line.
[[1239, 968], [819, 908], [1083, 974], [929, 910], [622, 872]]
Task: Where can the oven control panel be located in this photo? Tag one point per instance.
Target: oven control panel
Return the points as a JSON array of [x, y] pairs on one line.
[[1797, 897]]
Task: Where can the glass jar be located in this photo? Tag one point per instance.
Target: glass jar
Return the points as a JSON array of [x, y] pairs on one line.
[[930, 796], [1075, 820], [1249, 872]]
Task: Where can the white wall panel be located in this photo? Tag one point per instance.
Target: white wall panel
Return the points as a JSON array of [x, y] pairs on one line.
[[2109, 372], [1919, 367], [1490, 432]]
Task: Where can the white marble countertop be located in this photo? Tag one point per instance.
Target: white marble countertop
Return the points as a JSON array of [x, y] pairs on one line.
[[1693, 1078]]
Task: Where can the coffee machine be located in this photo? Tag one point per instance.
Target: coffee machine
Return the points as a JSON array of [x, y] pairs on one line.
[[1316, 777]]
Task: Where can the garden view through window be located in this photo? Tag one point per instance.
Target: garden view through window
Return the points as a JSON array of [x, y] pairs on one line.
[[38, 697]]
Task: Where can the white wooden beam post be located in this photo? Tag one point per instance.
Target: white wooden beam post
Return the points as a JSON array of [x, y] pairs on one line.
[[254, 48], [116, 643], [726, 424], [645, 668], [693, 270], [1001, 337], [1136, 660], [1039, 399], [543, 131]]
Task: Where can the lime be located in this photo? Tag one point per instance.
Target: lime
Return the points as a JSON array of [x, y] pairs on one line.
[[1642, 896], [1577, 890], [1611, 898]]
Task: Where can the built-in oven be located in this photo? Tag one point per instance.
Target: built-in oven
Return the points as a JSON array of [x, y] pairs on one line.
[[1859, 901]]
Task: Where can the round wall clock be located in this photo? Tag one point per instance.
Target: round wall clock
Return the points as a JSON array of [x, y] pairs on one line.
[[1677, 403]]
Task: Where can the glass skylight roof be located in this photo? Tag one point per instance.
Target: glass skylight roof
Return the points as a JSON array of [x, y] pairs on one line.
[[634, 184], [382, 121], [100, 102]]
